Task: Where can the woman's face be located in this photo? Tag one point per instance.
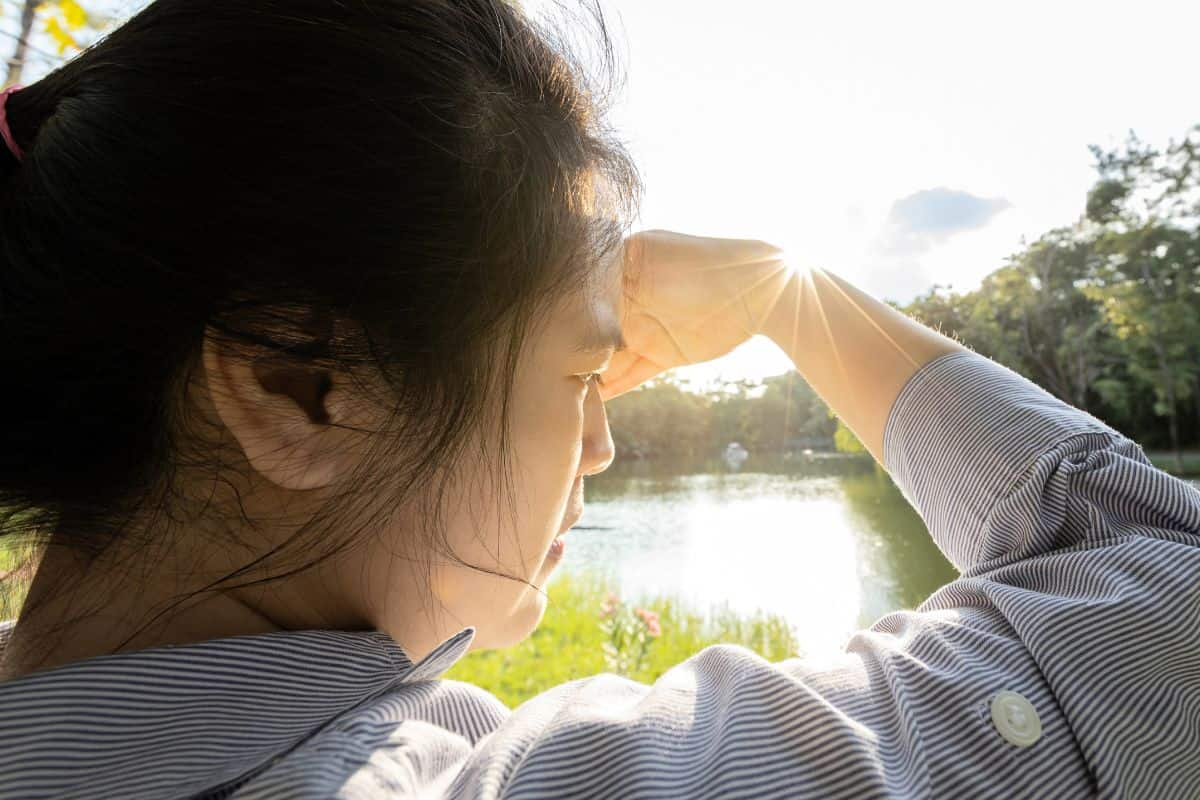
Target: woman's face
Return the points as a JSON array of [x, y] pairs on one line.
[[558, 434]]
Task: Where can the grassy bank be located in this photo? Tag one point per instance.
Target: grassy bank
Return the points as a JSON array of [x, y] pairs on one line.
[[571, 640], [1165, 460]]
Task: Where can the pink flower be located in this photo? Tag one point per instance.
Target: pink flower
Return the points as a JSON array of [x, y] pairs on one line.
[[650, 619], [609, 606]]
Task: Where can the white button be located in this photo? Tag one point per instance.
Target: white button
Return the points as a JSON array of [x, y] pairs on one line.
[[1016, 719]]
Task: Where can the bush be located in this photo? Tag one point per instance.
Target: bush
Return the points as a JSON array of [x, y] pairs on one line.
[[587, 630]]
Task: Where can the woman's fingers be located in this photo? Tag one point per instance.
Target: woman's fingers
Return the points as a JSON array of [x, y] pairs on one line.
[[650, 349], [630, 373], [691, 299]]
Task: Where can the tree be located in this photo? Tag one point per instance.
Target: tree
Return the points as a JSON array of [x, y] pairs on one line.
[[1037, 318], [845, 440], [1105, 312], [65, 22], [947, 312], [1146, 212], [1150, 297], [661, 420]]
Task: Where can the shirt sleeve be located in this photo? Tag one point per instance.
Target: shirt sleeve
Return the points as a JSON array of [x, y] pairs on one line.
[[1001, 470]]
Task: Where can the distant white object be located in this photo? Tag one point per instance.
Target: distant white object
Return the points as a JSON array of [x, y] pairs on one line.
[[736, 455]]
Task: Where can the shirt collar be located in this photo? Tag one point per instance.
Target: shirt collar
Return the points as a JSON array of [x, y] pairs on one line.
[[187, 718]]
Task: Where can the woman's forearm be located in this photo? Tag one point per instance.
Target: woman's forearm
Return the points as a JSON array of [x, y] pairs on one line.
[[854, 350]]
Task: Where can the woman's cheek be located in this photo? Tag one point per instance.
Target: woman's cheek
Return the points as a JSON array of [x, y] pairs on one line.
[[569, 433], [551, 424], [573, 431]]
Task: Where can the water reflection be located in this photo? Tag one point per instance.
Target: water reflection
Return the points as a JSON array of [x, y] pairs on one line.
[[831, 545]]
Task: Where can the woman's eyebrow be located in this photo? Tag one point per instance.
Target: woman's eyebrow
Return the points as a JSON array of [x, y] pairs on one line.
[[600, 336]]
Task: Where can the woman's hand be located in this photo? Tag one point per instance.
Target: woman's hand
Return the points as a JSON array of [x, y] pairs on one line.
[[690, 299]]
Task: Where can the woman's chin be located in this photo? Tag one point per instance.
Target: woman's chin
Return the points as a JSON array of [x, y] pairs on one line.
[[515, 628], [526, 621]]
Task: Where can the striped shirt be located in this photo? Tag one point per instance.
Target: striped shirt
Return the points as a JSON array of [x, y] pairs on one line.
[[1064, 662]]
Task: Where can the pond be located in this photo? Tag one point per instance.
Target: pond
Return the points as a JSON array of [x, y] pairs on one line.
[[828, 543]]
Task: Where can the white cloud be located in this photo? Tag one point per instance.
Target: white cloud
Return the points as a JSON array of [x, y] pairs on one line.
[[920, 221], [905, 256]]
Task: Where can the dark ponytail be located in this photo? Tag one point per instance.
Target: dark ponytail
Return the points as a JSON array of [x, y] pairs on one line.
[[407, 170]]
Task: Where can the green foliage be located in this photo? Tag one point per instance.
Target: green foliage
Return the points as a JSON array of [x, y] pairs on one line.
[[666, 420], [1105, 313], [1104, 199], [845, 440], [629, 634], [570, 642], [661, 420]]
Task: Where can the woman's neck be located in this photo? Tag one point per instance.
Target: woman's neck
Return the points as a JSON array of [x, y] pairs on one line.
[[76, 610]]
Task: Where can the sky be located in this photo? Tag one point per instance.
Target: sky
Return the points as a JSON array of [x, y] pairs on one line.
[[897, 144]]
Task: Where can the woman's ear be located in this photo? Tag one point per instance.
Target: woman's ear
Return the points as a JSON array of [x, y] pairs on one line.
[[296, 424]]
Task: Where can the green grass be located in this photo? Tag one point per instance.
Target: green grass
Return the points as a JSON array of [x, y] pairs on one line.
[[568, 644], [14, 582], [1165, 460]]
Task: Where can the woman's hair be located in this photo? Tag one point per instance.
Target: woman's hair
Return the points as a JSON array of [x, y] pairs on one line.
[[396, 185]]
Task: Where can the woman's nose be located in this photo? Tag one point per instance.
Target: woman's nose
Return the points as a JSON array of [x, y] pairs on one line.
[[598, 451]]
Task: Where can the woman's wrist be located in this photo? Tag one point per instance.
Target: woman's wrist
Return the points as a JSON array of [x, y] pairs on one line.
[[854, 350], [781, 325]]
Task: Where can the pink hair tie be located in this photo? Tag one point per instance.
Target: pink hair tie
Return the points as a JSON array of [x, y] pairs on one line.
[[4, 130]]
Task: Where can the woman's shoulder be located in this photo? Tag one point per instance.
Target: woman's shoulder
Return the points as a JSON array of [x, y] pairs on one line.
[[874, 721], [464, 710], [407, 742], [183, 719]]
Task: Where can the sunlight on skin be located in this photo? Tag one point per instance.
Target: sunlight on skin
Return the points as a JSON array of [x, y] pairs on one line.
[[691, 299], [854, 350], [800, 294], [889, 338]]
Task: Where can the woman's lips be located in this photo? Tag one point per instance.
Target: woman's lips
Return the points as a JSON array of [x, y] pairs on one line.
[[574, 510], [568, 523]]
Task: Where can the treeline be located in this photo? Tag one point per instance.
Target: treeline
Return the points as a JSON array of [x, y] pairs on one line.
[[1103, 313], [663, 420]]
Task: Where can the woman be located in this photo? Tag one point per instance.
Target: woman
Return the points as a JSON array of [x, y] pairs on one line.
[[310, 309]]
